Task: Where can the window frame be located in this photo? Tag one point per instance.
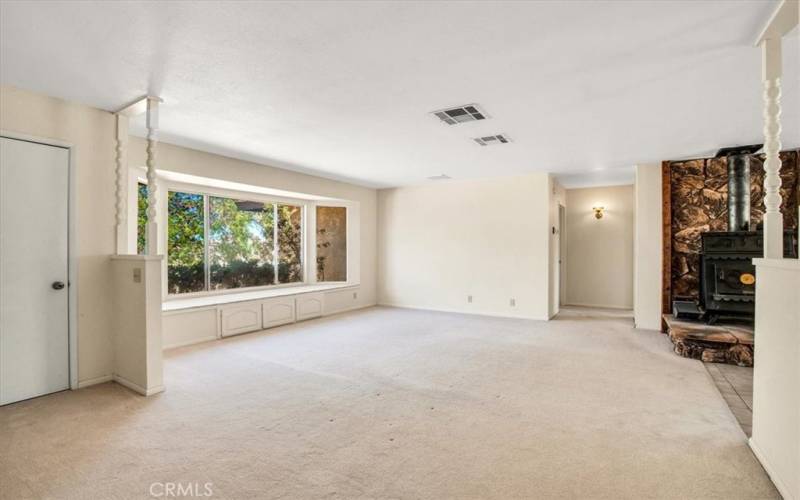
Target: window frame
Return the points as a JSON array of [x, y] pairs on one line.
[[352, 241], [164, 231], [348, 236], [307, 203], [206, 192]]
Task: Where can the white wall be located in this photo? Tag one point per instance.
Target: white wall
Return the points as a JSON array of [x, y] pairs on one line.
[[647, 250], [440, 242], [137, 323], [92, 132], [600, 251], [776, 373]]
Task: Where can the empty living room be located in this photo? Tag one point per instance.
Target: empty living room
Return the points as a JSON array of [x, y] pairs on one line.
[[399, 249]]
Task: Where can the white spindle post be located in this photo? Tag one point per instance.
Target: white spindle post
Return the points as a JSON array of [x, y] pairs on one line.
[[771, 78], [122, 184], [152, 141]]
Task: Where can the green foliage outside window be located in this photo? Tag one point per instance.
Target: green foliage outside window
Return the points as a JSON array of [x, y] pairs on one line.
[[141, 219], [331, 243], [185, 243], [241, 243], [290, 244]]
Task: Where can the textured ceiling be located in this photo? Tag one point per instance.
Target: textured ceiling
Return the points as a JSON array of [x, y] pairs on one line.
[[343, 89]]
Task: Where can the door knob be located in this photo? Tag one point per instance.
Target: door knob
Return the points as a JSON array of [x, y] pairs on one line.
[[58, 285]]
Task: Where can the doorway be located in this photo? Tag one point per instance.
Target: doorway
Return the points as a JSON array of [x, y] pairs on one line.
[[35, 271], [599, 247]]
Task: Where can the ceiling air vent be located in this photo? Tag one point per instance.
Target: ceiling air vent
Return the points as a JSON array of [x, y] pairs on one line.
[[491, 140], [440, 177], [461, 114]]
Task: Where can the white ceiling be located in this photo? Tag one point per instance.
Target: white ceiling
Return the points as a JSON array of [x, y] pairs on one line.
[[343, 89]]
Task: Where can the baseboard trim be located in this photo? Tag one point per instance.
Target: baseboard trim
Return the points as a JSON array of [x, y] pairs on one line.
[[137, 388], [780, 485], [599, 306], [348, 309], [190, 342], [648, 328], [458, 311], [94, 381]]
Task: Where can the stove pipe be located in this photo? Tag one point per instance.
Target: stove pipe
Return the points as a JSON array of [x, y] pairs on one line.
[[739, 193], [739, 185]]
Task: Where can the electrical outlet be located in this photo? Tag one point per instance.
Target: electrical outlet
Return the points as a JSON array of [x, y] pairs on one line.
[[513, 302], [137, 274], [355, 295], [469, 299]]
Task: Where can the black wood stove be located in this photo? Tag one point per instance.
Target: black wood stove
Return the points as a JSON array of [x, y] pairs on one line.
[[727, 273]]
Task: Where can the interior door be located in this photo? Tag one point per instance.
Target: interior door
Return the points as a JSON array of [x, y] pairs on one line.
[[34, 300]]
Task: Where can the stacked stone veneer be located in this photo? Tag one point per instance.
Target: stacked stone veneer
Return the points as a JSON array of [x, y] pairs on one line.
[[699, 199]]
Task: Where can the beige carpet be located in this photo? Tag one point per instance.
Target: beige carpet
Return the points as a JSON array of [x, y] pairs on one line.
[[391, 403]]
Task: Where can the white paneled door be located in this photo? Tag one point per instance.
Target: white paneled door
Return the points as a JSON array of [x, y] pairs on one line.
[[34, 298]]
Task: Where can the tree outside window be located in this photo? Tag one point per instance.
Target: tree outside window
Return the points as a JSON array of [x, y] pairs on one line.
[[241, 243], [141, 219], [331, 244]]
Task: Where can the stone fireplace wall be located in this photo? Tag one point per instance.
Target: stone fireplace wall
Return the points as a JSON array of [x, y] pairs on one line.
[[699, 203]]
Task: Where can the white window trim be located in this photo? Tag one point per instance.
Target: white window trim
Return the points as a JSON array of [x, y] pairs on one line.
[[349, 237], [308, 222]]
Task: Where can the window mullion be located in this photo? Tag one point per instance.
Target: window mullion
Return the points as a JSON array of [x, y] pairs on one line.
[[275, 242], [206, 251]]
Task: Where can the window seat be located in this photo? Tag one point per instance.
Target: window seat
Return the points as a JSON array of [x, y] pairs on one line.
[[244, 296]]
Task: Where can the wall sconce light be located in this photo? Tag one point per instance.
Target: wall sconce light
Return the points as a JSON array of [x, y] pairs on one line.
[[598, 212]]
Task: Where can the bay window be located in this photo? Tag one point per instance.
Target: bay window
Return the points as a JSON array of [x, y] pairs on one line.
[[219, 239], [217, 243]]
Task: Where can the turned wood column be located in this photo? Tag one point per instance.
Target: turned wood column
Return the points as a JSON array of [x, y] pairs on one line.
[[152, 141], [122, 184], [771, 81]]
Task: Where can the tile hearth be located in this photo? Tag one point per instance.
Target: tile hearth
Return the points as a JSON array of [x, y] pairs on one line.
[[735, 384]]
